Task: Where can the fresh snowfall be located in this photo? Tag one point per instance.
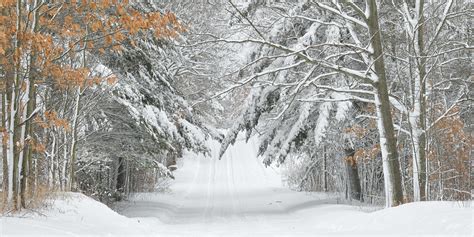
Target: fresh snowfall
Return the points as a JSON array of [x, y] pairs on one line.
[[236, 118], [236, 196]]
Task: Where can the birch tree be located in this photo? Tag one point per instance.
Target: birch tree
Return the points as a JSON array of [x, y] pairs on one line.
[[425, 25]]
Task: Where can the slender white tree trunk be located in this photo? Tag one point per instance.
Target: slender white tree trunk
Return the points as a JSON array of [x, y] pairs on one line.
[[51, 168], [73, 139], [10, 146], [64, 166], [416, 154], [21, 153], [415, 26]]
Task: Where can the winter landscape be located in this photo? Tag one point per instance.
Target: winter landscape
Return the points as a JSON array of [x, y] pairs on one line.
[[236, 118]]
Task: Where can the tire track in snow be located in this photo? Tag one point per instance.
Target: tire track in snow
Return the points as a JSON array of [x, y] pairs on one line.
[[179, 211], [194, 183], [236, 189], [210, 205], [231, 180]]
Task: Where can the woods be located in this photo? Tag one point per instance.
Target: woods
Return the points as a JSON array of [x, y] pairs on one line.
[[55, 86], [371, 100], [318, 61]]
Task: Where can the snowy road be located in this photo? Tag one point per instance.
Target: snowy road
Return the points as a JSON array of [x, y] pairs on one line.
[[237, 189], [238, 196]]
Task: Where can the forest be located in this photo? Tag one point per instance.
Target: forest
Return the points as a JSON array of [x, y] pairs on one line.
[[367, 101]]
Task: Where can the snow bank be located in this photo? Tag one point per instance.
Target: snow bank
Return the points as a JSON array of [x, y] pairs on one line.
[[413, 219], [72, 214], [77, 215]]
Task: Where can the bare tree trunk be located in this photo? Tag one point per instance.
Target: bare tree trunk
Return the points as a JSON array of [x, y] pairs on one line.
[[51, 162], [15, 109], [72, 160], [421, 104], [5, 181], [15, 146], [388, 142], [73, 149], [31, 104], [5, 95], [24, 162], [353, 174], [121, 178], [325, 175], [63, 179]]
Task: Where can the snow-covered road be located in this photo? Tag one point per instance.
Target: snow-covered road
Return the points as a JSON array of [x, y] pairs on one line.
[[236, 188], [238, 196]]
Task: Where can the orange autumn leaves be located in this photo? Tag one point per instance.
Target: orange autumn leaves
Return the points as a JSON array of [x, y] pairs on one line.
[[67, 78], [46, 42], [67, 26], [51, 119], [112, 23], [455, 143], [60, 31]]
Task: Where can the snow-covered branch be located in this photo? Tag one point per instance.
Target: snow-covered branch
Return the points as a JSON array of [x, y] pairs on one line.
[[340, 13]]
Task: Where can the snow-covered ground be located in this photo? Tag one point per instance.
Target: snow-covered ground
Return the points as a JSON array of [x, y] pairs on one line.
[[237, 196], [71, 214]]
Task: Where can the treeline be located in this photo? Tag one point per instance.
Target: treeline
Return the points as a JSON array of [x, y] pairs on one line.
[[87, 100], [371, 99]]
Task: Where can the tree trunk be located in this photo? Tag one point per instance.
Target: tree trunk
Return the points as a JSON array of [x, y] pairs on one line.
[[51, 162], [388, 142], [64, 168], [31, 105], [24, 163], [325, 175], [5, 186], [72, 160], [353, 174], [121, 176], [418, 117], [15, 145]]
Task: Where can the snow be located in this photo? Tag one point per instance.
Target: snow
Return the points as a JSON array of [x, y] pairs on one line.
[[237, 196], [71, 214], [322, 122], [384, 150], [309, 37], [159, 120], [305, 111], [342, 107], [193, 131]]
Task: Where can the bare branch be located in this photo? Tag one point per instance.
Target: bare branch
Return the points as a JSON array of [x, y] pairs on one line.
[[340, 13], [250, 79]]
